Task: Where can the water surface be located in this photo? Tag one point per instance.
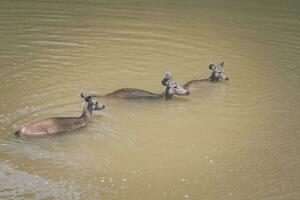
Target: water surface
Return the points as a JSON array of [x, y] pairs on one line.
[[232, 140]]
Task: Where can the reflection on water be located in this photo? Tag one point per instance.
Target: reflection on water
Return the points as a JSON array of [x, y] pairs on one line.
[[230, 140]]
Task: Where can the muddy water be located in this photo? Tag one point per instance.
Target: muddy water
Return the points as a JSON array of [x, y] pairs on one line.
[[232, 140]]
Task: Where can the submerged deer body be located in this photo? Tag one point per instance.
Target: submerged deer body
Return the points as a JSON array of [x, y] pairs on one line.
[[62, 124], [217, 73], [171, 89]]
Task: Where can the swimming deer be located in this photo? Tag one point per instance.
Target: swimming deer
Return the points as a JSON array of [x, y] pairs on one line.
[[62, 124], [171, 88], [217, 73]]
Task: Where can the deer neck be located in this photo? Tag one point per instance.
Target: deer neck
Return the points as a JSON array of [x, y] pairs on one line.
[[166, 94], [86, 113], [213, 77]]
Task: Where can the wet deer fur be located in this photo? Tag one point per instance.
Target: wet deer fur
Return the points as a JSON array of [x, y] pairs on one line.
[[171, 88], [217, 73], [62, 124]]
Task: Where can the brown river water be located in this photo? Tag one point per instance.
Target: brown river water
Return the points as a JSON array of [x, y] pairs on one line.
[[238, 139]]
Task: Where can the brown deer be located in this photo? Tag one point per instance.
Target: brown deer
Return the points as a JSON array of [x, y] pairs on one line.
[[217, 73], [171, 88], [61, 124]]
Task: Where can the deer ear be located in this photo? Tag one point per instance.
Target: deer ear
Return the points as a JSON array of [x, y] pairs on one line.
[[88, 99], [168, 76], [85, 96], [210, 66], [166, 80], [222, 64]]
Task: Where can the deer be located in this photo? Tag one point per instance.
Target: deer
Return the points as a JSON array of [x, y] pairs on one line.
[[54, 125], [171, 89], [217, 74]]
